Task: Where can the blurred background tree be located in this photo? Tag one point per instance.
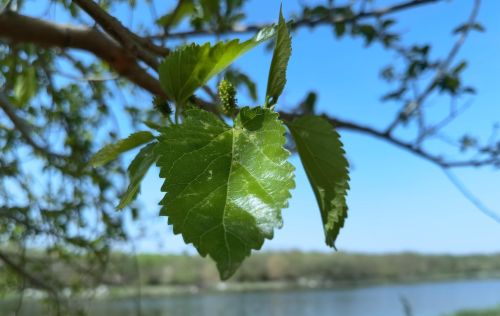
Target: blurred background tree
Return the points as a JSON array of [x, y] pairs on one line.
[[64, 63]]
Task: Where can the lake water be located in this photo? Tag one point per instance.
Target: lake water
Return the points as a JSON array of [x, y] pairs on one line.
[[426, 299]]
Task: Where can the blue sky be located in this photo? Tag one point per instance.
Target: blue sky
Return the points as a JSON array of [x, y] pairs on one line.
[[397, 201]]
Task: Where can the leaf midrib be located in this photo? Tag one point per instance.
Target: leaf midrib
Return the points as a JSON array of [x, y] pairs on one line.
[[227, 195]]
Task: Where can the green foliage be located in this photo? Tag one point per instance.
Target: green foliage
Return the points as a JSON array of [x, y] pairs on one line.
[[112, 151], [225, 186], [322, 155], [191, 66], [48, 194], [495, 311], [238, 78], [293, 266], [308, 105], [184, 9], [467, 26], [277, 73], [25, 86], [137, 170]]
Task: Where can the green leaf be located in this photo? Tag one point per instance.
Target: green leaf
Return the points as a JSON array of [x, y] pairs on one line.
[[277, 73], [467, 26], [112, 151], [340, 28], [25, 86], [191, 66], [225, 186], [239, 78], [137, 170], [322, 155], [183, 10]]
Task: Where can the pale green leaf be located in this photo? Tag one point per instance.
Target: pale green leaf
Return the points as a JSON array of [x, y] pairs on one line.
[[137, 170], [191, 66], [277, 73], [112, 151], [322, 156], [184, 9], [25, 86], [225, 186]]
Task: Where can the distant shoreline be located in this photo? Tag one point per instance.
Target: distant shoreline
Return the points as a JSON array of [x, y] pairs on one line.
[[223, 287], [132, 292], [156, 274]]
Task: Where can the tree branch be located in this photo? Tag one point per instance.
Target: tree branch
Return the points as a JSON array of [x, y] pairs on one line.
[[407, 111], [25, 274], [408, 146], [305, 21], [18, 28], [112, 26], [24, 128]]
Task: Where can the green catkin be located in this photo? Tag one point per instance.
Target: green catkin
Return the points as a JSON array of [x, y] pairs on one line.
[[227, 97]]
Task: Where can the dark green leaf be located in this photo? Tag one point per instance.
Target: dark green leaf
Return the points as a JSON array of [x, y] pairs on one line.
[[388, 23], [459, 68], [136, 171], [191, 66], [308, 105], [469, 90], [339, 29], [449, 83], [277, 73], [395, 95], [368, 31], [112, 151], [225, 186], [466, 27], [322, 155], [239, 78]]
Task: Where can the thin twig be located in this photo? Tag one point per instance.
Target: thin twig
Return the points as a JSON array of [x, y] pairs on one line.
[[303, 21], [24, 129], [441, 71], [129, 40], [471, 197]]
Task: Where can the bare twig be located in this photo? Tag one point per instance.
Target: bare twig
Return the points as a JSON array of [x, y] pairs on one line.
[[441, 71], [31, 278], [24, 128], [408, 146], [471, 197]]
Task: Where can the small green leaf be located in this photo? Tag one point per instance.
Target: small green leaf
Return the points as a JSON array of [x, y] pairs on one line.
[[112, 151], [308, 105], [467, 26], [25, 86], [322, 156], [191, 66], [277, 73], [183, 10], [239, 78], [340, 28], [152, 125], [225, 186], [137, 170]]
